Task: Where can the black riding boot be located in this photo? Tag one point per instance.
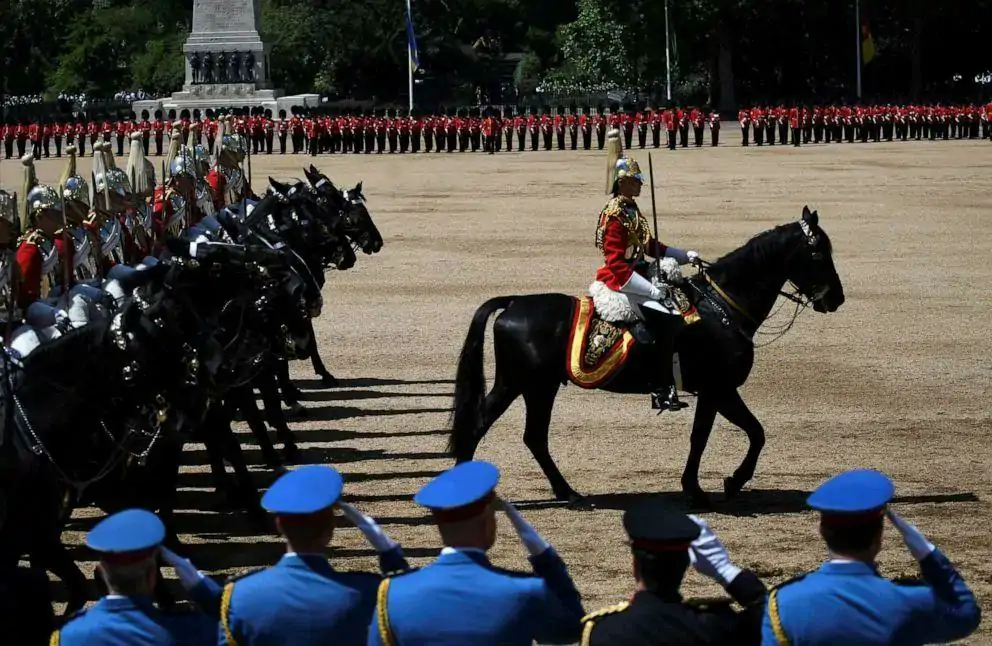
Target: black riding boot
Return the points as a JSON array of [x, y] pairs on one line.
[[659, 330]]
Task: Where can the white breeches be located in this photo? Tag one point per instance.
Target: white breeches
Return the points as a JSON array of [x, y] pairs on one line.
[[618, 307]]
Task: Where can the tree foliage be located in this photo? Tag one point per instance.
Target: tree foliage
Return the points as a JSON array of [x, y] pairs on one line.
[[722, 50]]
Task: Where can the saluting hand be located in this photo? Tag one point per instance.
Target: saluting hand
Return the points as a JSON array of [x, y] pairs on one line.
[[532, 541], [709, 556], [917, 543], [369, 528]]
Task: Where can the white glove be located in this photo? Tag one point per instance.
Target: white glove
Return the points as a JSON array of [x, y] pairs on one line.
[[693, 257], [709, 556], [917, 543], [532, 541], [640, 286], [369, 528], [188, 575]]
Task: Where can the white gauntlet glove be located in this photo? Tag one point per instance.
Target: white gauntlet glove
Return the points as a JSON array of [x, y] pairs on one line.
[[369, 528], [709, 556], [188, 575], [917, 543], [693, 257], [640, 286], [531, 540]]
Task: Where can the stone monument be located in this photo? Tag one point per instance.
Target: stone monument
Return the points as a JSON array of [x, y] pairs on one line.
[[227, 64]]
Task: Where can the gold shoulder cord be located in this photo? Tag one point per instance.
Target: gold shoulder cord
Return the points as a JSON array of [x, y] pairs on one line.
[[382, 614], [587, 633], [225, 614], [54, 641], [777, 627]]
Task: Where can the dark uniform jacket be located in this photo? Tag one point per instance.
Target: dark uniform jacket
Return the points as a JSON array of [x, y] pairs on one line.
[[657, 619]]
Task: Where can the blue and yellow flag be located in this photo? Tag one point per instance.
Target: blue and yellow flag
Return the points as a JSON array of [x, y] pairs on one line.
[[411, 41]]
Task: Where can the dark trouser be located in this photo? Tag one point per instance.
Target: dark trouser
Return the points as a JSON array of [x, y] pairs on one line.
[[158, 144], [671, 139], [369, 141], [759, 135], [533, 140], [642, 134], [783, 133], [451, 141], [796, 137], [818, 133], [21, 143], [440, 139], [404, 141], [586, 139], [573, 139], [498, 141], [628, 135], [560, 135], [770, 133], [463, 140], [415, 141], [684, 136], [282, 142], [697, 136], [58, 146], [393, 137], [655, 136], [744, 136], [546, 136], [600, 138], [297, 140], [508, 136], [715, 136], [120, 145], [428, 140], [849, 133], [46, 144], [36, 149], [81, 145], [146, 138], [380, 139], [313, 146], [521, 139], [8, 148]]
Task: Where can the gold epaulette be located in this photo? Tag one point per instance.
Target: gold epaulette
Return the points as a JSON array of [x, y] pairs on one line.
[[33, 236], [614, 208], [591, 619]]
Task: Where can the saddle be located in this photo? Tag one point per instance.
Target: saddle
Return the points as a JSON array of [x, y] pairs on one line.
[[597, 349]]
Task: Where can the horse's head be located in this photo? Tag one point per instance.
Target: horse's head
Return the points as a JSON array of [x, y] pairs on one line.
[[358, 222], [811, 266]]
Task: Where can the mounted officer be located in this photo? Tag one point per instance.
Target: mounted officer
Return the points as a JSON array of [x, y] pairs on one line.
[[620, 292], [43, 251], [86, 232]]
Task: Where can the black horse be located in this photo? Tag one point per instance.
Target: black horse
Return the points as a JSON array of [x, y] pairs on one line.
[[734, 296]]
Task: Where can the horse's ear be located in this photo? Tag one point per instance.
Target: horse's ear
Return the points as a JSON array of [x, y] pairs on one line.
[[279, 187], [314, 171], [810, 217], [358, 188]]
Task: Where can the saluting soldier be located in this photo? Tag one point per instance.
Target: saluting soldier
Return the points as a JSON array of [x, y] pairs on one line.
[[461, 598], [129, 544], [846, 601], [664, 543], [302, 599]]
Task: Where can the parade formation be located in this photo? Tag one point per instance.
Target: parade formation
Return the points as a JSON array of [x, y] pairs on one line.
[[325, 130]]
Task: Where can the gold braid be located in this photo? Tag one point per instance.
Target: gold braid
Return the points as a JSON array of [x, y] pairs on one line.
[[225, 614], [776, 619], [625, 210], [382, 614]]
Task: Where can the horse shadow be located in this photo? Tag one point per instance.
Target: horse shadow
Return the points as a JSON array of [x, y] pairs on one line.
[[369, 382], [340, 395], [749, 503], [340, 435]]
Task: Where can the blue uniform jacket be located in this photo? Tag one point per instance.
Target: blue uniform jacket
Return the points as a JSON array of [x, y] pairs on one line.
[[463, 599], [300, 600], [850, 604], [135, 621]]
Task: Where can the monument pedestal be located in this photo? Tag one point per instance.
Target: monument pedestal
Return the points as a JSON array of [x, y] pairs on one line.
[[227, 64]]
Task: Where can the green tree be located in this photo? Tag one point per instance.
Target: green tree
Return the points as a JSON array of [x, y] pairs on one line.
[[594, 51]]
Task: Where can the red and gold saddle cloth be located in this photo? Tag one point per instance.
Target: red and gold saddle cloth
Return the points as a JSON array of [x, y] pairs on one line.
[[597, 349]]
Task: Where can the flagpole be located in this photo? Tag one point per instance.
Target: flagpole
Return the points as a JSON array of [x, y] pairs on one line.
[[409, 59], [668, 67], [857, 28]]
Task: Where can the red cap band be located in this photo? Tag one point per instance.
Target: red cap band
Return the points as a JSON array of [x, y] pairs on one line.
[[658, 546], [851, 519]]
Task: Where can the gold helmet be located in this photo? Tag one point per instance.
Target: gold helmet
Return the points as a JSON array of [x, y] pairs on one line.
[[75, 189], [38, 197]]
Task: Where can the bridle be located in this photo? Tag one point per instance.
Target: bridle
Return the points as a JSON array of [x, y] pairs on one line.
[[796, 295]]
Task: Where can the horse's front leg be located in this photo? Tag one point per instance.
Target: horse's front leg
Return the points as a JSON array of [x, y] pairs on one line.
[[702, 425], [733, 408], [326, 377], [290, 393], [267, 386]]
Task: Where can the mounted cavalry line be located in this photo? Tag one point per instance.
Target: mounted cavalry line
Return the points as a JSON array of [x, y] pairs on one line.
[[180, 340], [622, 341]]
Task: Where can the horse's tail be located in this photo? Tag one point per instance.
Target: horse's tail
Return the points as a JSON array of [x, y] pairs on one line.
[[470, 383]]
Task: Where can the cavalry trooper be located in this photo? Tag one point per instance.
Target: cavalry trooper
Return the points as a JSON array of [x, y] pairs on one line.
[[302, 599], [76, 196], [664, 542], [45, 250], [461, 598], [619, 292], [227, 181], [129, 544], [846, 601]]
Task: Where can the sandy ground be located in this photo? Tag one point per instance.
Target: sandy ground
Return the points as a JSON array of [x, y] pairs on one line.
[[898, 379]]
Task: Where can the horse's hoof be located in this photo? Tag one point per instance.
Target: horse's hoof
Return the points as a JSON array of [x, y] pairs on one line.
[[329, 381], [698, 499], [291, 454], [732, 487]]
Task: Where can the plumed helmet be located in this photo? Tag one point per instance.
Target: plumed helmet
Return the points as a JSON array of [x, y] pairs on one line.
[[43, 197], [76, 189], [201, 154], [627, 167], [116, 181], [183, 164], [233, 148]]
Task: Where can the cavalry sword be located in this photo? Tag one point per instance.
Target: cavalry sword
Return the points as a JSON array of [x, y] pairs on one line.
[[654, 215]]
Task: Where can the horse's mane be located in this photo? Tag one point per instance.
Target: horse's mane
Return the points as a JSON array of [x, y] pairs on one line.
[[82, 343], [758, 250]]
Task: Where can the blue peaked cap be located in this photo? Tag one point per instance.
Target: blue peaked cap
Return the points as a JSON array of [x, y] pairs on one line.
[[131, 530], [459, 486], [853, 492], [306, 490]]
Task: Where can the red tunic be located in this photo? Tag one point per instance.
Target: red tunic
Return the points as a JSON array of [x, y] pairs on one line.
[[218, 188], [624, 237], [30, 261]]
